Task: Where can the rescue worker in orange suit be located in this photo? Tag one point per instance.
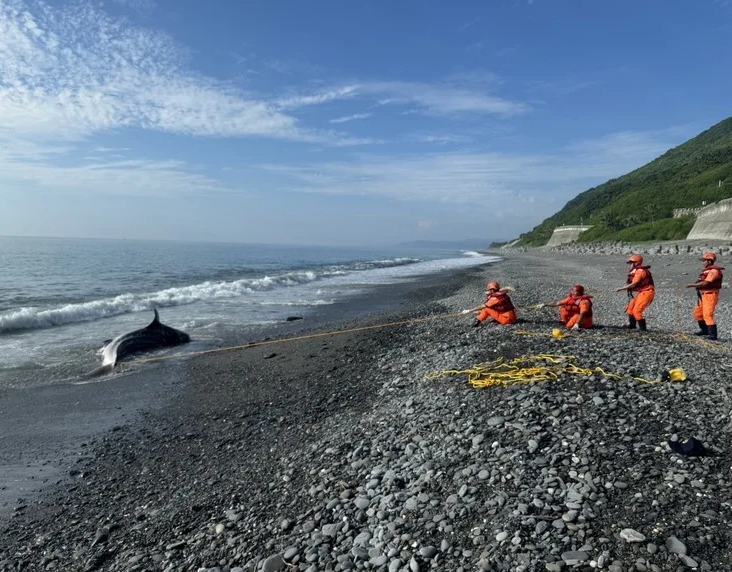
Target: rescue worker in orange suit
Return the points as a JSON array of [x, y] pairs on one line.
[[497, 306], [639, 282], [707, 288], [575, 310]]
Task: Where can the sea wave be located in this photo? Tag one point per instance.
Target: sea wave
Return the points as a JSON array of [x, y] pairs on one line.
[[31, 318], [473, 254], [34, 318]]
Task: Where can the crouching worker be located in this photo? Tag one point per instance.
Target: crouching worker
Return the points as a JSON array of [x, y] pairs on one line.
[[707, 287], [575, 310], [498, 307]]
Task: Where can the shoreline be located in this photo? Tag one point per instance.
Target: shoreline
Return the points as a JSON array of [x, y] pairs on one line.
[[337, 451], [47, 431]]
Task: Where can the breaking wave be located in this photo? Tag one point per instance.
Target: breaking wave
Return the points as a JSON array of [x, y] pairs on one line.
[[34, 318]]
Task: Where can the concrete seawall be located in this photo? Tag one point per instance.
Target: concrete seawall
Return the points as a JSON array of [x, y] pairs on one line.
[[713, 222], [565, 234]]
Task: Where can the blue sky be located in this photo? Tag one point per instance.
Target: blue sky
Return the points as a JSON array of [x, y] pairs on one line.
[[332, 122]]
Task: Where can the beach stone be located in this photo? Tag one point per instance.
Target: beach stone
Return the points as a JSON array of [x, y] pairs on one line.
[[688, 561], [362, 503], [362, 539], [330, 529], [379, 560], [501, 536], [674, 545], [290, 553], [630, 535], [575, 557], [428, 552], [274, 563]]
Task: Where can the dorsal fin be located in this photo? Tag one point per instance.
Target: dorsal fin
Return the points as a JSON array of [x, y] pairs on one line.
[[156, 320]]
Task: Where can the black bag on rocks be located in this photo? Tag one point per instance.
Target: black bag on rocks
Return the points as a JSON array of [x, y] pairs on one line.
[[690, 447]]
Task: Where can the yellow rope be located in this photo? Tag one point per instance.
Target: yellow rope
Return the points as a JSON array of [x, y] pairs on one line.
[[298, 338], [678, 335], [527, 369]]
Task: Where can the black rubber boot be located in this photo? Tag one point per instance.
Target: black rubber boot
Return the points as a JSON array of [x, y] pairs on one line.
[[642, 325], [712, 332], [631, 323], [703, 329], [477, 323]]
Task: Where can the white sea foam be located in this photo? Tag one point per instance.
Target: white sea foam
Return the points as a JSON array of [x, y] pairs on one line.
[[34, 318]]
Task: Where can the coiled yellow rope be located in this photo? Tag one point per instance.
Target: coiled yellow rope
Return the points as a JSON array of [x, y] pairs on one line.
[[527, 369]]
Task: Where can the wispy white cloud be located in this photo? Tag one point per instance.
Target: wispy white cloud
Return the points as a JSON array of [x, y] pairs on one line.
[[137, 5], [470, 23], [76, 71], [476, 46], [441, 138], [503, 182], [319, 98], [111, 149], [70, 74], [462, 93], [29, 166], [562, 87], [505, 52], [444, 99], [354, 117]]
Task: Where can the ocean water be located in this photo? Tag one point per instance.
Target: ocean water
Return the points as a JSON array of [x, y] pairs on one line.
[[61, 298]]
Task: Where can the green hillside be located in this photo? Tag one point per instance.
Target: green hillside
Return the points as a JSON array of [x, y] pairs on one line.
[[639, 205]]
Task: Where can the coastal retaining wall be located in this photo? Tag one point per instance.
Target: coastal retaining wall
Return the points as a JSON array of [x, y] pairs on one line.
[[565, 234], [678, 213], [713, 222]]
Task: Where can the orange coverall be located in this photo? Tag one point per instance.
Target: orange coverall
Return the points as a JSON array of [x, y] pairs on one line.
[[708, 299], [570, 309], [499, 307], [644, 289]]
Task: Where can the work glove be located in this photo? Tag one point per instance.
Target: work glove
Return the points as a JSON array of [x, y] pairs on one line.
[[576, 327], [465, 312]]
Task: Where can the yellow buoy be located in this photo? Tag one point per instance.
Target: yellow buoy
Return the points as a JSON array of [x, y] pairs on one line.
[[677, 374]]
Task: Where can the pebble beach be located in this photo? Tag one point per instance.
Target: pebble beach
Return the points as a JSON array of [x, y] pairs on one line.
[[336, 453]]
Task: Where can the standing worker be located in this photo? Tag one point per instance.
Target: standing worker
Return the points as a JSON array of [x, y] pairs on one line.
[[707, 288], [575, 310], [497, 306], [639, 282]]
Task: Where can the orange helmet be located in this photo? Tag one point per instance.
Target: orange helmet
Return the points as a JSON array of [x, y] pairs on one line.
[[635, 259], [709, 256], [493, 286], [578, 289]]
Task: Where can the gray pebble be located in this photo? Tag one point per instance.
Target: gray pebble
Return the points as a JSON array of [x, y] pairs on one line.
[[575, 557], [631, 535], [674, 545], [428, 552], [274, 563]]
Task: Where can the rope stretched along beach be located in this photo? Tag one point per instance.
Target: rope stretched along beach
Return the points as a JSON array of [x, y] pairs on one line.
[[677, 334]]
